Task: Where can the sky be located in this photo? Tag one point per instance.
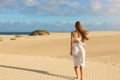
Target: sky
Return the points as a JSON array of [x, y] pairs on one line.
[[59, 15]]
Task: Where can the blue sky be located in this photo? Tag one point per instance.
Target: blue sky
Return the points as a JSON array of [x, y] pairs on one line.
[[58, 15]]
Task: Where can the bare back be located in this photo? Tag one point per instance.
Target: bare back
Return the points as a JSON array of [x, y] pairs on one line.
[[75, 34]]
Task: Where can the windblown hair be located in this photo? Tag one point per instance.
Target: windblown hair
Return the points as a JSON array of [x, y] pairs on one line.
[[82, 31]]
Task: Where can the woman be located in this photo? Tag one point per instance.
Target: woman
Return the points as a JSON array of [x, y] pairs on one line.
[[78, 38]]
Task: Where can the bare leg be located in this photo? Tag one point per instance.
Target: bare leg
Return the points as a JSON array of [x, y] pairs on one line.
[[76, 72], [81, 72]]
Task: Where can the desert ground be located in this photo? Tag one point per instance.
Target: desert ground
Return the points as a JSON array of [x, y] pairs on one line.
[[48, 57]]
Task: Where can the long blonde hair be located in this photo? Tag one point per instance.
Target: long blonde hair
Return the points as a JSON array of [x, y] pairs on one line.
[[82, 31]]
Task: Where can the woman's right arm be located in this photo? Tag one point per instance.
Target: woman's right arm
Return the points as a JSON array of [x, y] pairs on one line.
[[72, 42]]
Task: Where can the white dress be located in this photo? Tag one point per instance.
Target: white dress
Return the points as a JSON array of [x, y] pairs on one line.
[[78, 53]]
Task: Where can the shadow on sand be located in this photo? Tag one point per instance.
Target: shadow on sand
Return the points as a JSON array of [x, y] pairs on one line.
[[39, 71]]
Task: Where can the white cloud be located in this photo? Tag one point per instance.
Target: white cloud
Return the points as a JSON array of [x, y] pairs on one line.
[[68, 3], [2, 21], [56, 26], [8, 4], [55, 7], [61, 7], [96, 5], [29, 2], [116, 1], [114, 23], [62, 23]]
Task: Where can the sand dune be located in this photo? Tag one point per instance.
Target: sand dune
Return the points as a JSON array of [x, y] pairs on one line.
[[19, 67], [57, 45], [47, 57]]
